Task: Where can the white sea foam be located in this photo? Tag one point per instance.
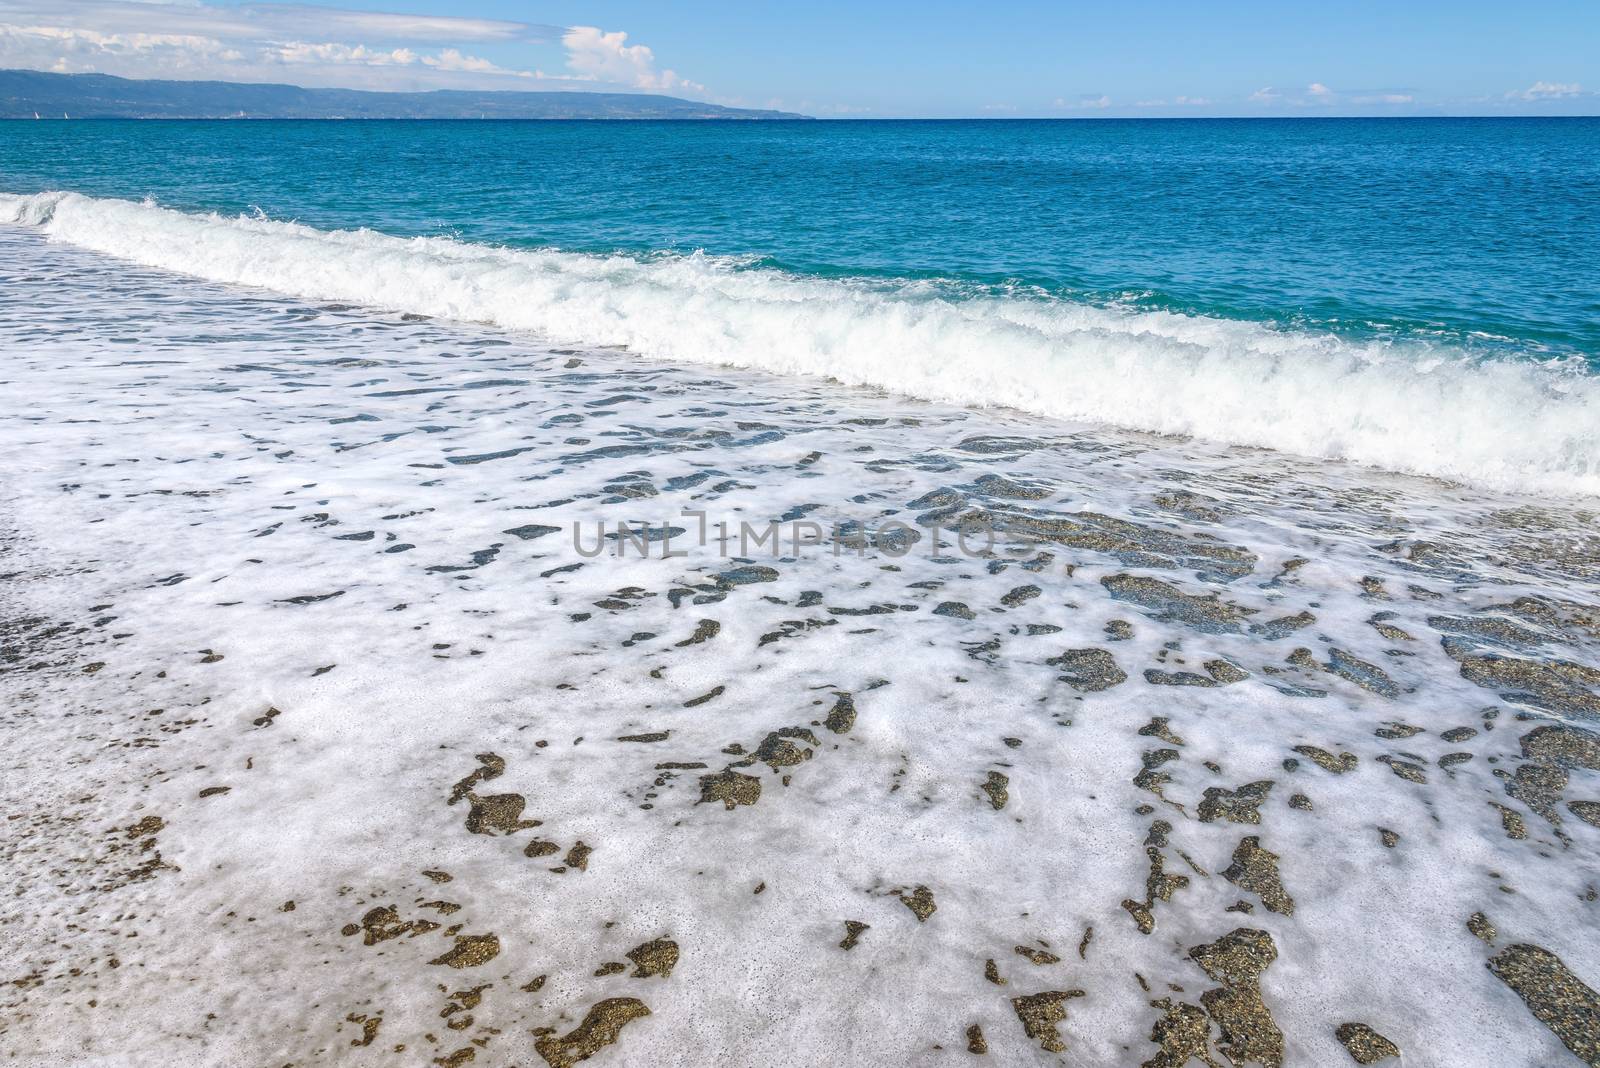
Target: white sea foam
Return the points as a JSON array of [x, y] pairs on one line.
[[294, 554], [1517, 424]]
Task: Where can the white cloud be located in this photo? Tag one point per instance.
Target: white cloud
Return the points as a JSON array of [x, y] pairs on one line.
[[68, 49], [385, 26], [71, 39], [257, 41], [607, 57], [76, 50], [1175, 102], [811, 107], [1085, 102], [1547, 91], [333, 52], [453, 59], [265, 21], [1318, 94]]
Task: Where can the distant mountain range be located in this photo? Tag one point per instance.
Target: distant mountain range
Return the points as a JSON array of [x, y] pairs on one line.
[[25, 94]]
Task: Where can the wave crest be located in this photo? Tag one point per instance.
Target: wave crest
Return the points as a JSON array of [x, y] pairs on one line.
[[1516, 424]]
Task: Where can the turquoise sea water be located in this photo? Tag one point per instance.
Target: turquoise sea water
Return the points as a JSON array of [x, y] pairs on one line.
[[1484, 231]]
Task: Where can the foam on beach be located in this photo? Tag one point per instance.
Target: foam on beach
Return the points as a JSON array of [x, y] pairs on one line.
[[1527, 424], [319, 737]]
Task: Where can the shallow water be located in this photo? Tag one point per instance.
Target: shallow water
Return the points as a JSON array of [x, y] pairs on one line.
[[285, 623]]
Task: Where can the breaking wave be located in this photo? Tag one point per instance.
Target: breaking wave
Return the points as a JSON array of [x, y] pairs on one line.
[[1430, 408]]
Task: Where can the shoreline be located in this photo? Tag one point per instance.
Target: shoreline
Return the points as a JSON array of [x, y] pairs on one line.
[[1406, 405], [342, 663]]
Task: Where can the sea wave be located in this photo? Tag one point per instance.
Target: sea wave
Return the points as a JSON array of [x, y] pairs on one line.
[[1523, 424]]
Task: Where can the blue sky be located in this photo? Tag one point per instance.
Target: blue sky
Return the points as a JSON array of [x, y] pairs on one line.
[[883, 59]]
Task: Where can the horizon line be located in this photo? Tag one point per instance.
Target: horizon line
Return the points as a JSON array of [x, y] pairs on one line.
[[808, 119]]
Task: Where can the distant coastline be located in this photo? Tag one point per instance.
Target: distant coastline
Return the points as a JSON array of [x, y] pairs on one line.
[[28, 94]]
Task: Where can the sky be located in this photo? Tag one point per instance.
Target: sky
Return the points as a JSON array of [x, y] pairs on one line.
[[878, 59]]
